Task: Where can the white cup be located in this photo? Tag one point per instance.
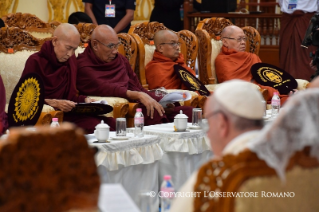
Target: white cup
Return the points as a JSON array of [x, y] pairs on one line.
[[101, 134]]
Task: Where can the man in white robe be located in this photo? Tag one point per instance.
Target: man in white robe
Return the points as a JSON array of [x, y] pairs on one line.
[[234, 115]]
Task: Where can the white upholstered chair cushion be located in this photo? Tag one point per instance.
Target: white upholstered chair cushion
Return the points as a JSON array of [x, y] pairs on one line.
[[11, 69], [149, 52], [216, 48], [41, 35], [302, 84], [111, 101], [79, 50], [212, 87]]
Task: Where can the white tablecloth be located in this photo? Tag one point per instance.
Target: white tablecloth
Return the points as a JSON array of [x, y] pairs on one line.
[[133, 163], [184, 152]]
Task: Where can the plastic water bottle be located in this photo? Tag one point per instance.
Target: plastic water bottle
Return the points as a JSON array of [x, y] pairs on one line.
[[55, 122], [275, 105], [167, 193], [138, 123]]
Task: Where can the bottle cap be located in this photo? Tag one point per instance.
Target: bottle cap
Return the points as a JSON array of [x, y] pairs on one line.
[[167, 177], [55, 119], [139, 110], [276, 93]]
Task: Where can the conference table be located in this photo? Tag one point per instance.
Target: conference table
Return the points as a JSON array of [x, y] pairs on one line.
[[184, 152], [133, 163], [139, 164]]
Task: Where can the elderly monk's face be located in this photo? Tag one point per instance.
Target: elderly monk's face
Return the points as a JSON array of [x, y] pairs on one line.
[[106, 49], [236, 40], [170, 46], [64, 48]]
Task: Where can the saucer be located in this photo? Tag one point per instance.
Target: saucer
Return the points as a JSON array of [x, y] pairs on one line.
[[120, 138], [194, 127]]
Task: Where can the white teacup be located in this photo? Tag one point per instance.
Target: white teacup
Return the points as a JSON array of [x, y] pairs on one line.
[[101, 134], [180, 122]]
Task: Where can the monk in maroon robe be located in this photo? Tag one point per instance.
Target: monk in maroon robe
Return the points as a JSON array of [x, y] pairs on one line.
[[56, 64], [104, 72], [3, 115]]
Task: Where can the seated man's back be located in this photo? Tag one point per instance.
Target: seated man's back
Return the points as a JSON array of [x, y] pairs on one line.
[[104, 72], [160, 70], [56, 64]]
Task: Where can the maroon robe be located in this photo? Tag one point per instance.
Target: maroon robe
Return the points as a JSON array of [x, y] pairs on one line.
[[293, 58], [3, 115], [98, 78], [59, 83]]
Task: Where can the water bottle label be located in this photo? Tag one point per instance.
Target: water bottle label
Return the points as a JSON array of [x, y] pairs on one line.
[[275, 102], [139, 120]]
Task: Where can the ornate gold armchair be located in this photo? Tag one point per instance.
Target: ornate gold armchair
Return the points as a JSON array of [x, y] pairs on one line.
[[16, 46], [144, 33], [55, 166], [248, 174], [208, 33], [30, 23]]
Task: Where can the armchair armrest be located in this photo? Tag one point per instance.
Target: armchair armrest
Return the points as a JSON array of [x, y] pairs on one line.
[[120, 106]]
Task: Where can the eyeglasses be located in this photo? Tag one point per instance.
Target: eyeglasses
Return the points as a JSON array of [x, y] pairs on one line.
[[205, 125], [174, 45], [111, 45], [237, 39]]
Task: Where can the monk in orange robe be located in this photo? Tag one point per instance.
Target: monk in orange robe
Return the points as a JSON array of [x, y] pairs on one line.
[[233, 62], [160, 71]]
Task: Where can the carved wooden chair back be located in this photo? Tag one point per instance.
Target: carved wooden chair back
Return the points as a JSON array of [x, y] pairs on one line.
[[256, 185], [208, 32], [43, 164], [128, 48], [16, 45], [144, 33], [31, 23]]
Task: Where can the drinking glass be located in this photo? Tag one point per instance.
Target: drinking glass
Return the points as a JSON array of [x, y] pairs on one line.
[[197, 117], [120, 127]]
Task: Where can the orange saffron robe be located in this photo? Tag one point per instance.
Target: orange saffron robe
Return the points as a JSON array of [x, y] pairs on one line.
[[231, 64], [160, 72]]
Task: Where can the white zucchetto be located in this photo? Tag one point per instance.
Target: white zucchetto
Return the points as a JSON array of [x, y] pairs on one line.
[[241, 98]]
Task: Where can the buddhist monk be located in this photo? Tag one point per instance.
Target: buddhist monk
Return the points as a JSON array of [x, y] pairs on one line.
[[3, 115], [102, 71], [233, 62], [232, 122], [159, 71], [56, 64]]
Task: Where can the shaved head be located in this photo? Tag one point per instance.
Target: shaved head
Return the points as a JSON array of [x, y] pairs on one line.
[[67, 31], [230, 36], [230, 30], [66, 40], [103, 33], [167, 43], [104, 43], [160, 36]]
